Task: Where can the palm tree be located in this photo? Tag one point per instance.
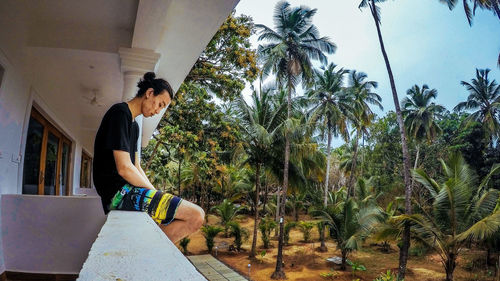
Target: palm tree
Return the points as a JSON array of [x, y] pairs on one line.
[[492, 5], [209, 232], [420, 116], [360, 96], [462, 211], [227, 212], [484, 101], [261, 125], [349, 222], [329, 108], [403, 253], [288, 55]]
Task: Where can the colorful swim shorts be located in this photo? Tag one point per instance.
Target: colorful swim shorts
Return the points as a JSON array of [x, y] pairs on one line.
[[161, 206]]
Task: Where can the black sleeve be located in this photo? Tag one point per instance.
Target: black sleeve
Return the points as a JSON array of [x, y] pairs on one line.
[[117, 134]]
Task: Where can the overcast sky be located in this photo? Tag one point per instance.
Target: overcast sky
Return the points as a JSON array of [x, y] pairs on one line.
[[425, 42]]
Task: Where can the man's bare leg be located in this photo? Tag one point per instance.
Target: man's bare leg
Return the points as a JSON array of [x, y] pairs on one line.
[[188, 219]]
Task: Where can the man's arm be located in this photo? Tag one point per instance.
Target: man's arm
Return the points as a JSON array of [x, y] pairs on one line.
[[130, 172], [138, 166]]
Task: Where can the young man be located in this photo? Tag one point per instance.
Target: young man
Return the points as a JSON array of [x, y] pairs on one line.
[[118, 176]]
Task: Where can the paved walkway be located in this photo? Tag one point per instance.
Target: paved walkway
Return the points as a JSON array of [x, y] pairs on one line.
[[213, 269]]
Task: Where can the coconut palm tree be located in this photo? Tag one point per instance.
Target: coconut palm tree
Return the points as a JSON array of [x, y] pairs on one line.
[[484, 101], [360, 96], [462, 211], [420, 115], [261, 124], [403, 253], [492, 5], [329, 108], [349, 222], [288, 53], [227, 211]]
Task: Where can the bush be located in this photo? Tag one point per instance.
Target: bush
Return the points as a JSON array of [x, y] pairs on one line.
[[239, 233], [266, 225], [210, 232], [184, 244], [388, 276], [288, 227], [306, 228]]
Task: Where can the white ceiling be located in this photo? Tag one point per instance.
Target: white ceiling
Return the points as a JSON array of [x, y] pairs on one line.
[[67, 48]]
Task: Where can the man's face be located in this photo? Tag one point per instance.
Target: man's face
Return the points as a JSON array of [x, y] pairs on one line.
[[152, 104]]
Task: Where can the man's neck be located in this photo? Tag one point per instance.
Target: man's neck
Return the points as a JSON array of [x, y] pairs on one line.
[[135, 107]]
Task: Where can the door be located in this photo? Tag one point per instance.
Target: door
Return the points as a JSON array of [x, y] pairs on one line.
[[46, 158]]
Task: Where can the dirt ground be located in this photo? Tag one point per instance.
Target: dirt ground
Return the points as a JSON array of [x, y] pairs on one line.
[[304, 262]]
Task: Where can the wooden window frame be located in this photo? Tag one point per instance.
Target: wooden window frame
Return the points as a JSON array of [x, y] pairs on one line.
[[48, 127], [86, 156]]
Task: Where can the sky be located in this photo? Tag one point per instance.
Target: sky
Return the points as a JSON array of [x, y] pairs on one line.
[[425, 41]]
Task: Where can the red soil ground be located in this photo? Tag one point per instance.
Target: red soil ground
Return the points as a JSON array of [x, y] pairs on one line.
[[304, 262]]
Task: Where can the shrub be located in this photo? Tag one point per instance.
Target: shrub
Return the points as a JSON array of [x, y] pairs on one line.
[[210, 232], [288, 227], [266, 225], [239, 233], [388, 276], [306, 228], [184, 244]]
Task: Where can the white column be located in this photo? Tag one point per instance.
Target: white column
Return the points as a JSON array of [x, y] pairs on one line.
[[134, 63]]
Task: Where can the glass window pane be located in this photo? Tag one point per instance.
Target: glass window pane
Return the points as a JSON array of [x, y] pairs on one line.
[[32, 157], [51, 165]]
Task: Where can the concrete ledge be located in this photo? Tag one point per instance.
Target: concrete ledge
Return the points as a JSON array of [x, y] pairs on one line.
[[130, 247]]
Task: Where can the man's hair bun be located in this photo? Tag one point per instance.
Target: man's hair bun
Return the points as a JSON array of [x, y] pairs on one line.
[[149, 76], [149, 81]]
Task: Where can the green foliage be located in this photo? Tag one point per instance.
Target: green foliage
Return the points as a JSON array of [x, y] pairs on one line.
[[227, 212], [239, 233], [349, 222], [356, 266], [228, 61], [289, 225], [306, 228], [462, 210], [262, 254], [388, 276], [209, 232], [184, 243], [266, 225]]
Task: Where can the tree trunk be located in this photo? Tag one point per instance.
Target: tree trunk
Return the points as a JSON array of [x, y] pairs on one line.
[[256, 219], [450, 266], [276, 233], [266, 188], [322, 247], [328, 157], [152, 155], [179, 177], [362, 153], [403, 253], [278, 272], [350, 191], [344, 260]]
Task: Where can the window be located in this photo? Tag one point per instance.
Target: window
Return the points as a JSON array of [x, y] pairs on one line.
[[46, 158], [2, 70], [85, 172]]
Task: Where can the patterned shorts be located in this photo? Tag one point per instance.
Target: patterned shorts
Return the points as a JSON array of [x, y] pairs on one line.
[[161, 206]]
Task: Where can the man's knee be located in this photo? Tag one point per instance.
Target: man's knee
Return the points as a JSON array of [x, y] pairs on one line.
[[197, 219]]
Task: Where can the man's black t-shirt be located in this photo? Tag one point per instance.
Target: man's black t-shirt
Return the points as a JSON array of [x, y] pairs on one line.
[[117, 132]]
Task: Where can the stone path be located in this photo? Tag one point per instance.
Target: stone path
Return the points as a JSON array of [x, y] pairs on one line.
[[213, 269]]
